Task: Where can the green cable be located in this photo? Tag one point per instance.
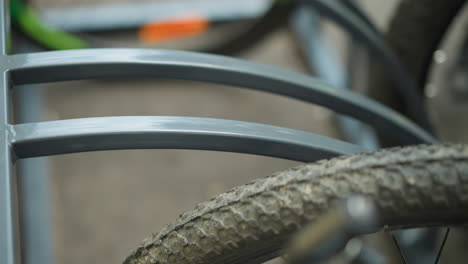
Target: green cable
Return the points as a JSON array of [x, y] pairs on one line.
[[31, 24], [15, 9]]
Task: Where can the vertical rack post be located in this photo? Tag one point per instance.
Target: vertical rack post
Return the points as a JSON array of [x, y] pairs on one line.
[[9, 242]]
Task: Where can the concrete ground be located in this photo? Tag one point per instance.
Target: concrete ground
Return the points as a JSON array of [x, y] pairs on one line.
[[105, 203]]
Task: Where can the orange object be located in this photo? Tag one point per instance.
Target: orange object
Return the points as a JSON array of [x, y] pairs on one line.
[[173, 29]]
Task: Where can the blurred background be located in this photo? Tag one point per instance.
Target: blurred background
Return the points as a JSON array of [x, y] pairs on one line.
[[104, 203]]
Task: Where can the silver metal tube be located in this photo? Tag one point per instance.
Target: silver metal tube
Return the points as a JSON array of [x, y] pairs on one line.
[[145, 132], [114, 63], [33, 186], [4, 27], [322, 61], [9, 242], [9, 247], [404, 83]]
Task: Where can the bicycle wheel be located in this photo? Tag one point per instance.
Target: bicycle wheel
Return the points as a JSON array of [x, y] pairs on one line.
[[412, 186], [414, 33]]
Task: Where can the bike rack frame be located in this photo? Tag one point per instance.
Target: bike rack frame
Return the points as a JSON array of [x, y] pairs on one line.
[[323, 62], [18, 141], [359, 28]]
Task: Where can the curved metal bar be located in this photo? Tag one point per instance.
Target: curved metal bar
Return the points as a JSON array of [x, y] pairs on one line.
[[405, 85], [323, 62], [359, 12], [145, 132], [99, 63]]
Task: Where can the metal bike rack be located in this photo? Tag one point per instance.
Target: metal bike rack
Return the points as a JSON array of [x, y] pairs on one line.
[[141, 132], [360, 29], [20, 141], [181, 65], [322, 61]]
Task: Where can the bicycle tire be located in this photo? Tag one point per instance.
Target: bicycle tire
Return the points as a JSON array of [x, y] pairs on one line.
[[414, 33], [413, 186]]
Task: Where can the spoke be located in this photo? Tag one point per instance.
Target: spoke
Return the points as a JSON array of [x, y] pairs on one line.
[[447, 232], [398, 247]]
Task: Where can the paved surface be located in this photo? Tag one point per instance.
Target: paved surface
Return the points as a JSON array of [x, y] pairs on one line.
[[105, 203]]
